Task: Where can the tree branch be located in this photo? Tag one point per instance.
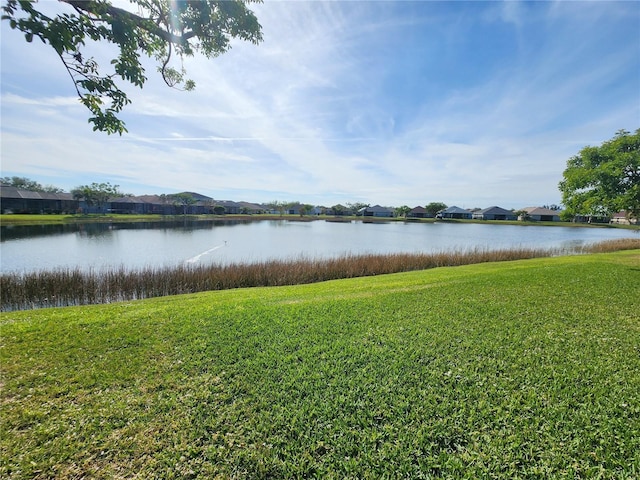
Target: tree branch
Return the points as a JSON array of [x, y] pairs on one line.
[[147, 24]]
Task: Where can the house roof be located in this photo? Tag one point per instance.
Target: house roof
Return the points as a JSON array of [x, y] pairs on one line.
[[454, 209], [251, 206], [128, 199], [14, 192], [494, 210], [227, 203], [418, 209], [197, 196], [541, 211], [375, 208]]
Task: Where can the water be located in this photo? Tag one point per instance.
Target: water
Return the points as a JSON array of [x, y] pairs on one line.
[[101, 246]]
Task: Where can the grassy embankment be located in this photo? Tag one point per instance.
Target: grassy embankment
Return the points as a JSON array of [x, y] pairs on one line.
[[523, 369]]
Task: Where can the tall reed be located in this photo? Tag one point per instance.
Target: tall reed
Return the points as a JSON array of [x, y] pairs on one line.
[[66, 287]]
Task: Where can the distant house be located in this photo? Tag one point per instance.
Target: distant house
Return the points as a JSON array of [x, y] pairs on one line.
[[297, 208], [251, 208], [455, 212], [622, 219], [294, 209], [198, 196], [230, 207], [17, 200], [129, 204], [161, 204], [419, 212], [595, 218], [157, 204], [376, 211], [540, 214], [494, 213]]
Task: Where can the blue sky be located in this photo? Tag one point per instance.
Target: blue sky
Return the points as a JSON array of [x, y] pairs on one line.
[[468, 103]]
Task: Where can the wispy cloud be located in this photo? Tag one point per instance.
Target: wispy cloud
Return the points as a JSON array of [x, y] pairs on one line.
[[471, 103], [12, 99]]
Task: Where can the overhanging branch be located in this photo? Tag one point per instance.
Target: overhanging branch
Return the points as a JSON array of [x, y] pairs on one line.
[[147, 24]]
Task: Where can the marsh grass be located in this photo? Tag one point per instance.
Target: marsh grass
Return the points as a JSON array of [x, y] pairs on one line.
[[69, 287]]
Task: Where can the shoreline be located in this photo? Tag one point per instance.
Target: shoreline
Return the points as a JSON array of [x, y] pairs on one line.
[[44, 219], [73, 287]]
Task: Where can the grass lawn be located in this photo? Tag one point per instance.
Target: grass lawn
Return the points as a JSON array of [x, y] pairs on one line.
[[524, 369]]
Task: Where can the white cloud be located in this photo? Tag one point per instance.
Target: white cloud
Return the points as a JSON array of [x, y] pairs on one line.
[[349, 101], [10, 98]]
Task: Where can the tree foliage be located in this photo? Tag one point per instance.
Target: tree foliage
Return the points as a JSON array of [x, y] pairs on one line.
[[338, 209], [184, 199], [305, 209], [25, 183], [606, 179], [281, 206], [402, 211], [159, 29], [434, 207], [97, 193], [355, 207]]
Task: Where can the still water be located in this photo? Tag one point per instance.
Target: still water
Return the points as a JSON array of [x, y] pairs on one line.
[[100, 246]]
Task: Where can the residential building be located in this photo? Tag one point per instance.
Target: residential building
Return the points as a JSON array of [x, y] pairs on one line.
[[541, 214], [494, 213], [454, 212], [419, 212], [376, 211]]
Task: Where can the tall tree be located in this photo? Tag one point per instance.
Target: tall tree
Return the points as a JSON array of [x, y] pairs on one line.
[[305, 209], [159, 29], [606, 179], [184, 199], [97, 194], [355, 207], [28, 184], [278, 205], [402, 211], [434, 207], [338, 209]]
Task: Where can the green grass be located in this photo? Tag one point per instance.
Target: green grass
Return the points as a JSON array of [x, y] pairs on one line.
[[524, 369]]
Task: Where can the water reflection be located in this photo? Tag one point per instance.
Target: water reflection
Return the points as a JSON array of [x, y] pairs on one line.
[[89, 229], [95, 246]]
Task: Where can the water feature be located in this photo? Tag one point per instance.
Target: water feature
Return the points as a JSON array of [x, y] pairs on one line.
[[136, 245]]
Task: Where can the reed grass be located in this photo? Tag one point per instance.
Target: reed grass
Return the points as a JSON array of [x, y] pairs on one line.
[[70, 287]]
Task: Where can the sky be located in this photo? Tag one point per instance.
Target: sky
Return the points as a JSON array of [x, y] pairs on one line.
[[394, 103]]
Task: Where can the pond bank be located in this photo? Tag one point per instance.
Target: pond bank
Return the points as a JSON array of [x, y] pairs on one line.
[[68, 287], [25, 219]]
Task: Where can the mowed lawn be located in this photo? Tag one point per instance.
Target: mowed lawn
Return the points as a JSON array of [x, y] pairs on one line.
[[524, 369]]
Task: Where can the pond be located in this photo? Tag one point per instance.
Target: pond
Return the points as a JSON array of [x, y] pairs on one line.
[[136, 245]]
